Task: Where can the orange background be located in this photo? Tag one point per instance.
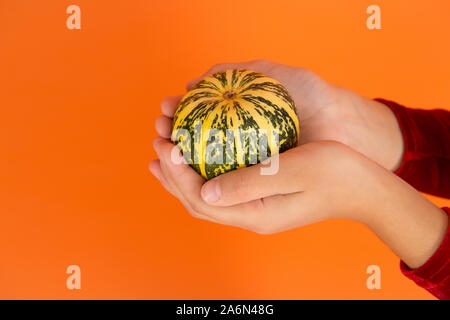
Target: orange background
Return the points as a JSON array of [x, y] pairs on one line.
[[77, 125]]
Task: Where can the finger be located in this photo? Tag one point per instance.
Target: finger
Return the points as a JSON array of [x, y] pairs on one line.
[[163, 125], [155, 168], [173, 188], [189, 183], [283, 212], [256, 65], [169, 105], [250, 183]]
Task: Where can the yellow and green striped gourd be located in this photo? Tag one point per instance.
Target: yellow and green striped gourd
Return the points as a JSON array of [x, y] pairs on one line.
[[225, 102]]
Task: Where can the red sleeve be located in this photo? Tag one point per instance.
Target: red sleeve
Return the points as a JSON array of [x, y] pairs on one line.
[[434, 275], [426, 159], [426, 166]]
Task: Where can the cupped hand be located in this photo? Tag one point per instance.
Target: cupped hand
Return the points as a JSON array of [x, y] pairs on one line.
[[326, 112], [315, 181]]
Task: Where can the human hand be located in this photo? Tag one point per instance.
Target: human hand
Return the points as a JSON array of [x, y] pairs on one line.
[[326, 112], [315, 181]]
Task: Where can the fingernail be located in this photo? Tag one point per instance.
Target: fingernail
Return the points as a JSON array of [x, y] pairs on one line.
[[211, 191]]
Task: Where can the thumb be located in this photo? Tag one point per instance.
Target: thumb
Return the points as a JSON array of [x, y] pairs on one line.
[[249, 184]]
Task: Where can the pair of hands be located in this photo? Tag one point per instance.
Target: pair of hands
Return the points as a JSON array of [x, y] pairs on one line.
[[342, 168], [328, 175]]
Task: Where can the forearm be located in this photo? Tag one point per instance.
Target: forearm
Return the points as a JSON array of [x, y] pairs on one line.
[[406, 221]]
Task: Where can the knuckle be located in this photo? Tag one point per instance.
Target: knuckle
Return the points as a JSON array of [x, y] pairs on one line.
[[191, 210], [196, 209], [193, 207], [239, 186], [194, 214]]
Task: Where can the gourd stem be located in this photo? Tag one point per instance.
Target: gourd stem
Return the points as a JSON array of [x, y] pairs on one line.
[[229, 95]]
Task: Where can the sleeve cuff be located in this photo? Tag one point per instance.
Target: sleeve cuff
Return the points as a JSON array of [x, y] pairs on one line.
[[436, 271], [426, 157]]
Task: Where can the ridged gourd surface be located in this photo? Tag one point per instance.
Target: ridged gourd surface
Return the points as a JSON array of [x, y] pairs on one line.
[[229, 116]]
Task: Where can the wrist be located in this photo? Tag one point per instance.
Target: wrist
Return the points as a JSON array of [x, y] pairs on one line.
[[371, 196], [391, 134], [407, 222], [365, 185], [372, 129]]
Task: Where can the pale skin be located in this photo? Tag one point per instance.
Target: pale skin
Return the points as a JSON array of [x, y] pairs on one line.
[[342, 168]]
